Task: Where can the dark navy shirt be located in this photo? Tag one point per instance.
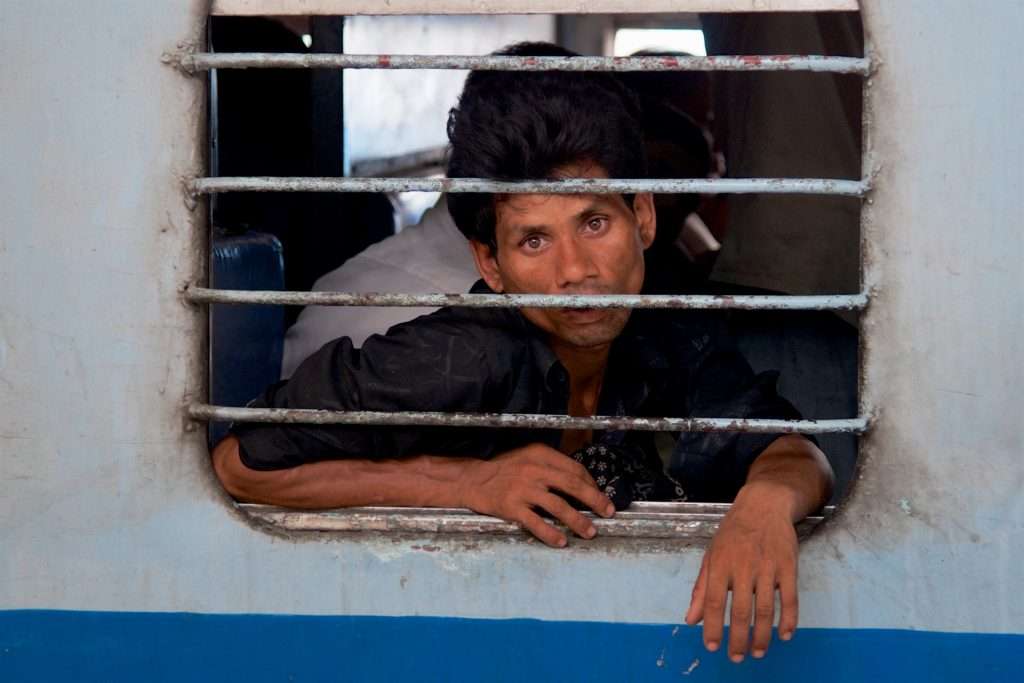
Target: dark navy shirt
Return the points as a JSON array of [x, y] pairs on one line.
[[665, 363]]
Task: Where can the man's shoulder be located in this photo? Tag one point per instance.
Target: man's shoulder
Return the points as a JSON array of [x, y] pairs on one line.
[[671, 326], [498, 324]]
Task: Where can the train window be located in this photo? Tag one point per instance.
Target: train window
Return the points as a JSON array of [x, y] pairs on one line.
[[327, 136]]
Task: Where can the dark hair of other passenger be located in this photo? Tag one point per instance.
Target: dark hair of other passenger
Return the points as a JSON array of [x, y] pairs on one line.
[[515, 125]]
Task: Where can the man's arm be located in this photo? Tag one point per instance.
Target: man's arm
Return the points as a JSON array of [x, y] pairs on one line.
[[511, 486], [755, 550]]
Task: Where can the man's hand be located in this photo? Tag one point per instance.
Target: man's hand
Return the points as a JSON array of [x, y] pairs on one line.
[[515, 484], [755, 550], [753, 554]]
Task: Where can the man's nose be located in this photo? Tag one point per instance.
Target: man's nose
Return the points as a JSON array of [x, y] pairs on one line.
[[575, 263]]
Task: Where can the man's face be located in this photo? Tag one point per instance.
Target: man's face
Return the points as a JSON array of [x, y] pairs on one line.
[[570, 244]]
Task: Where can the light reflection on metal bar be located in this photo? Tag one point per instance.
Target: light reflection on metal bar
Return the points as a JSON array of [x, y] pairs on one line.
[[684, 520], [816, 186], [279, 60], [827, 302], [202, 411]]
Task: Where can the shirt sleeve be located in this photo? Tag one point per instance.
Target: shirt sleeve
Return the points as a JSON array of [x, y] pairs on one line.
[[433, 363], [720, 383]]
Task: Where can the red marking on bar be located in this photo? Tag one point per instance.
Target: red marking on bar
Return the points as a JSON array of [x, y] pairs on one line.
[[752, 60], [532, 61], [670, 61], [384, 60]]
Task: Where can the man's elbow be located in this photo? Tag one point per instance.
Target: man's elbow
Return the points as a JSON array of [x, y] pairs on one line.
[[234, 476]]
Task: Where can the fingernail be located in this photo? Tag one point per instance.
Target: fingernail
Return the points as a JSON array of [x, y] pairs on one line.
[[609, 511], [711, 645], [591, 532], [562, 542], [757, 654], [786, 635], [736, 659]]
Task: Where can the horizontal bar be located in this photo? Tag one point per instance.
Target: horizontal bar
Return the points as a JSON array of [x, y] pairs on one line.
[[202, 411], [204, 61], [827, 302], [637, 510], [811, 186], [374, 7], [687, 520]]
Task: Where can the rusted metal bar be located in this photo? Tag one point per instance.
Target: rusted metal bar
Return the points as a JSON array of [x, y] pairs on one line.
[[202, 411], [828, 302], [815, 186], [203, 61], [634, 522], [376, 7]]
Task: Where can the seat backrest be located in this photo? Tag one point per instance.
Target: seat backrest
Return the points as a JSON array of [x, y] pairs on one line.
[[246, 342]]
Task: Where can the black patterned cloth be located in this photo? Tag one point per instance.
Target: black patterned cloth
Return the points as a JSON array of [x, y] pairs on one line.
[[626, 474]]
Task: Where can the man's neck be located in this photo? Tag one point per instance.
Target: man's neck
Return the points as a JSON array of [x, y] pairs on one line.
[[586, 368]]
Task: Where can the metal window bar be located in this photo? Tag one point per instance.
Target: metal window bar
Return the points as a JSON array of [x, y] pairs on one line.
[[807, 186], [827, 302], [641, 520], [196, 62], [204, 61], [200, 411], [376, 7]]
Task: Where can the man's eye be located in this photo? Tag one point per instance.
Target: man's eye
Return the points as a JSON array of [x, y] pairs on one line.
[[597, 224], [533, 242]]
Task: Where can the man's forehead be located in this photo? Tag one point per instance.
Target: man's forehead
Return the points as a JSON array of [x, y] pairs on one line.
[[530, 210]]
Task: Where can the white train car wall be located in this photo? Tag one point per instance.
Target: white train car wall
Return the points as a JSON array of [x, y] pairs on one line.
[[121, 556]]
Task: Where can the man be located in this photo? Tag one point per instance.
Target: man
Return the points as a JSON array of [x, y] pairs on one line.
[[568, 361], [422, 258]]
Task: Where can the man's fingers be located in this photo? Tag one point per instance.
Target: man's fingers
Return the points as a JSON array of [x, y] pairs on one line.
[[542, 530], [764, 613], [739, 618], [714, 606], [586, 493], [789, 603], [557, 460], [696, 610], [564, 512]]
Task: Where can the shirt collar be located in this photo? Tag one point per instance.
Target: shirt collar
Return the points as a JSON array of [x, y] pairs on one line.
[[634, 363]]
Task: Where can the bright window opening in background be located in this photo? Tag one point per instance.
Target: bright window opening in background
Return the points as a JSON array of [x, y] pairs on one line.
[[629, 40]]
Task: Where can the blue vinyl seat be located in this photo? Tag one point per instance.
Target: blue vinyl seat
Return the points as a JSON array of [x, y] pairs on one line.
[[246, 342]]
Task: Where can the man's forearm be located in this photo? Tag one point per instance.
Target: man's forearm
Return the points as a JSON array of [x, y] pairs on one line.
[[423, 481], [791, 474]]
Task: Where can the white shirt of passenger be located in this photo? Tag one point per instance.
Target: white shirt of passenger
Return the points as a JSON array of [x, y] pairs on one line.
[[431, 256]]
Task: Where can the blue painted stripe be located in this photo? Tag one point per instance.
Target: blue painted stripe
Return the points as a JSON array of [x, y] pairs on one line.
[[113, 646]]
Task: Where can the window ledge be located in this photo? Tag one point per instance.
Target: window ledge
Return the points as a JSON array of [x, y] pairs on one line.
[[679, 521]]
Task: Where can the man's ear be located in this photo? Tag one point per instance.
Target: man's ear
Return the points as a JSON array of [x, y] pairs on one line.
[[647, 220], [487, 265]]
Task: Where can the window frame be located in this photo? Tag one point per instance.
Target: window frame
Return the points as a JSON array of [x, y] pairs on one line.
[[689, 522]]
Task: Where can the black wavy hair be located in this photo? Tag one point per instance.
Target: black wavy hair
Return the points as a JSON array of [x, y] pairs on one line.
[[514, 125]]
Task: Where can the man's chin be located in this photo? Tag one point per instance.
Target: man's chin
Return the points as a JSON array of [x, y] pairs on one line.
[[585, 333]]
